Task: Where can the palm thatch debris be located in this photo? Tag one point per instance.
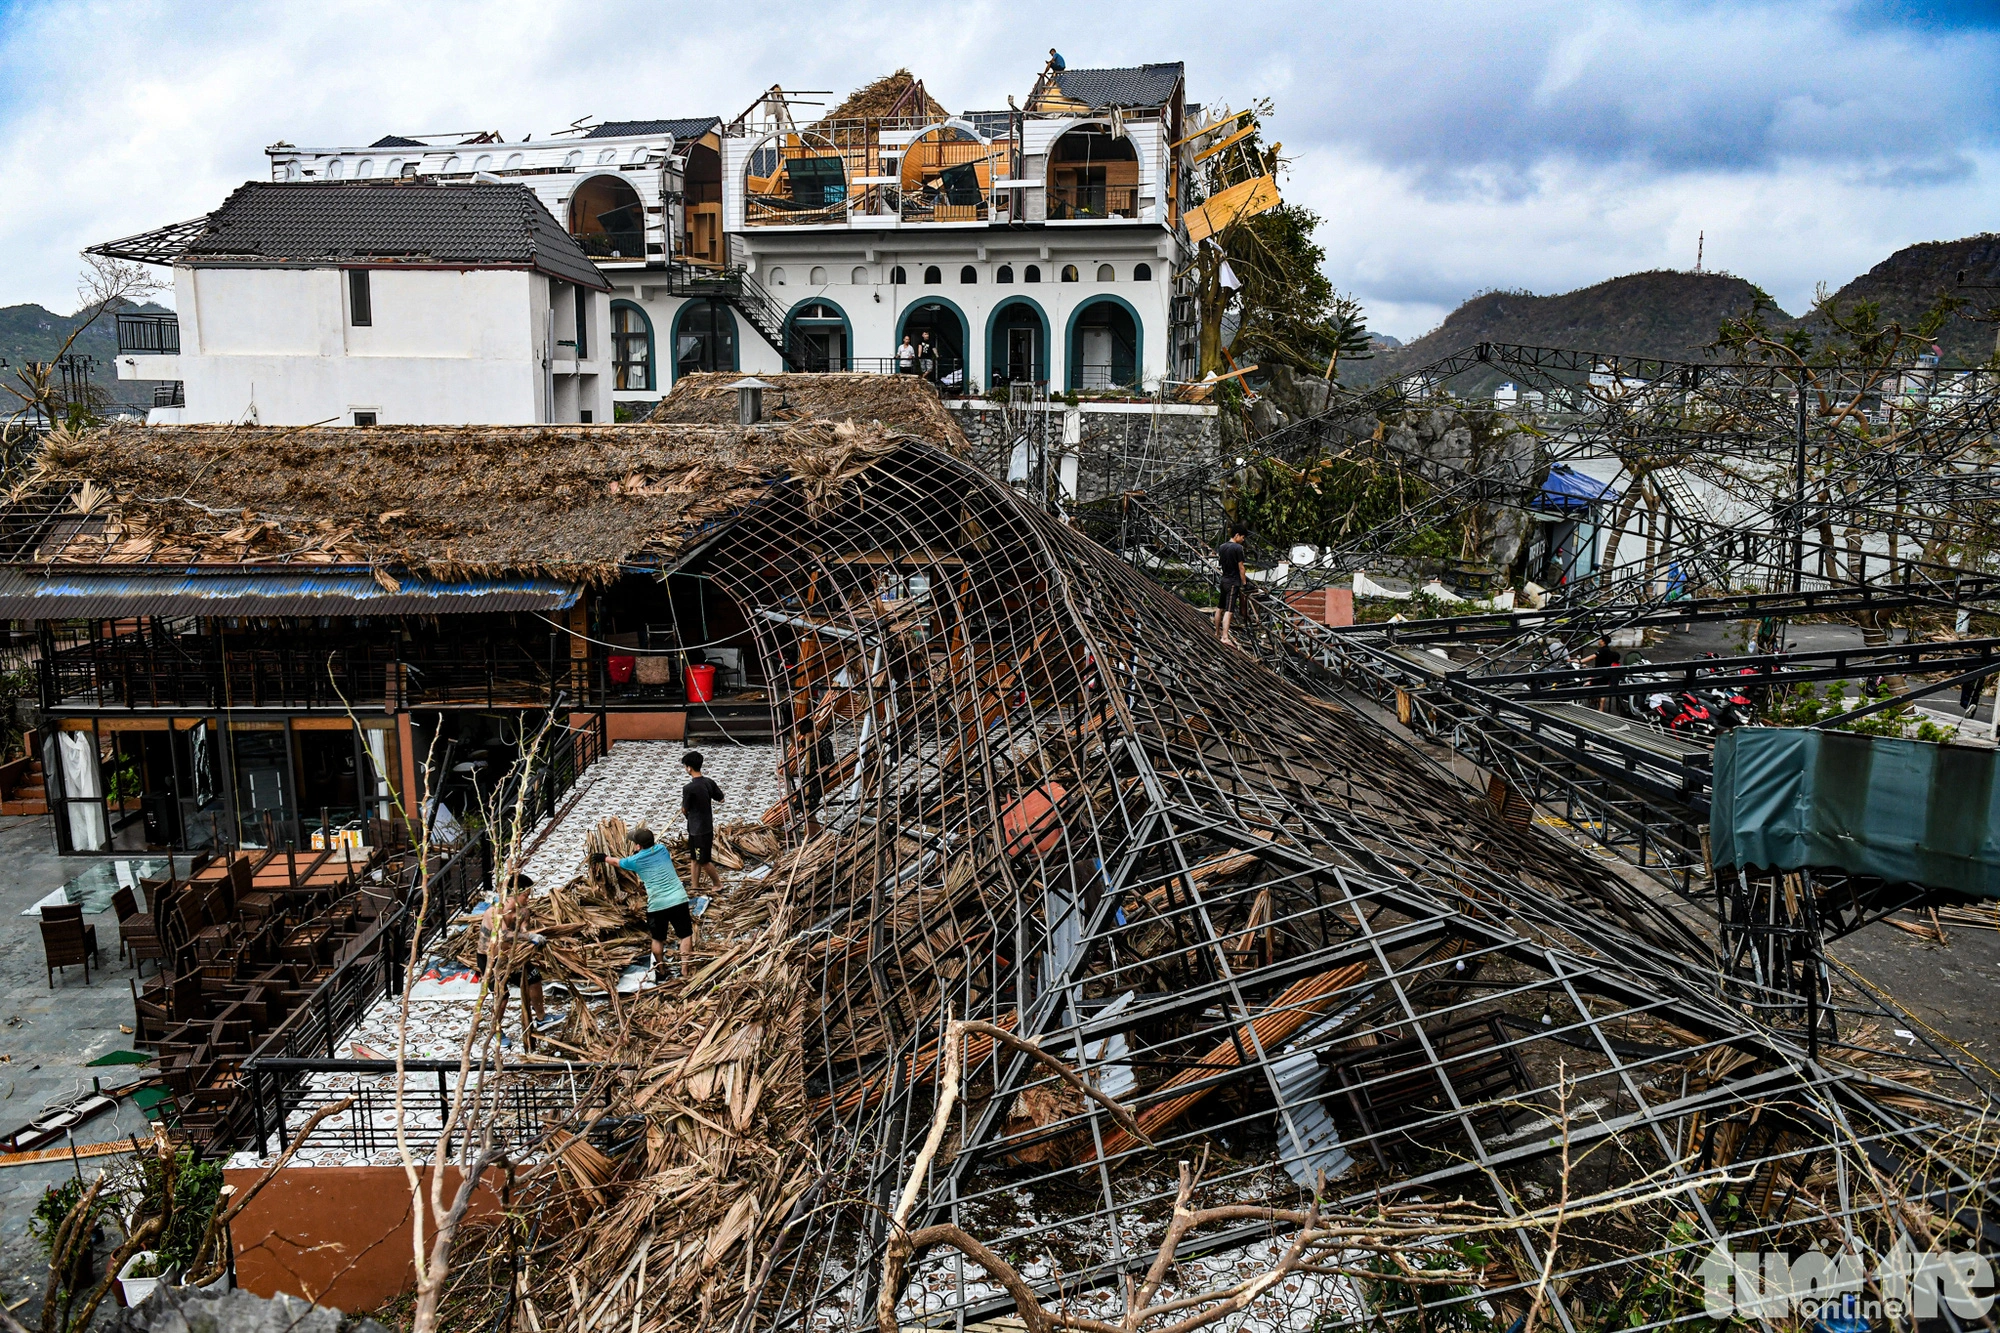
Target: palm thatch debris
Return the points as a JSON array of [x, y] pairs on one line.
[[905, 404], [569, 502]]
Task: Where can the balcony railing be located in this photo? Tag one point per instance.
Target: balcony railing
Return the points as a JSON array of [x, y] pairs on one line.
[[195, 672], [1070, 202], [156, 334], [946, 372], [173, 394]]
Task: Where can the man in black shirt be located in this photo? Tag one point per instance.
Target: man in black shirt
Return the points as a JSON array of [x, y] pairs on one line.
[[1606, 656], [698, 800], [1231, 555]]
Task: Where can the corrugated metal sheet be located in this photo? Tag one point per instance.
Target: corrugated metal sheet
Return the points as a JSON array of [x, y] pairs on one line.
[[98, 594]]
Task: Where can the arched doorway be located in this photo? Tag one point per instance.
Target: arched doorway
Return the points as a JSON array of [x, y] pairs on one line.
[[704, 338], [631, 347], [945, 324], [819, 332], [607, 219], [1017, 343], [1103, 343], [1093, 173]]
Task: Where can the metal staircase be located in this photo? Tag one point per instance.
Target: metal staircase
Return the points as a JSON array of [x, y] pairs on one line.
[[748, 296]]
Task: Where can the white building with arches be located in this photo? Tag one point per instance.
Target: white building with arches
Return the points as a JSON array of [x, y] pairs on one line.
[[1038, 245]]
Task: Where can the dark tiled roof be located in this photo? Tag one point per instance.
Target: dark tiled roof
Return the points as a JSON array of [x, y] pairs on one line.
[[1145, 85], [397, 141], [321, 222], [691, 128]]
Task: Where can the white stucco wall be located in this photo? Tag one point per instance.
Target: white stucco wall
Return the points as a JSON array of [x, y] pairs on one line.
[[444, 347]]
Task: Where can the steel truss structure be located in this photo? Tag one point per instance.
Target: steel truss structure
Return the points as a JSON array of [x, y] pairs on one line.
[[1775, 492], [1040, 795]]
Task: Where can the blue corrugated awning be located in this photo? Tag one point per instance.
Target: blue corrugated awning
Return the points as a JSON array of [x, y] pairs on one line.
[[1568, 489], [66, 594]]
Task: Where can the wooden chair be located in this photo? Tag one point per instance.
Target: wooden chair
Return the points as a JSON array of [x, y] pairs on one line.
[[136, 934], [149, 1018], [67, 941]]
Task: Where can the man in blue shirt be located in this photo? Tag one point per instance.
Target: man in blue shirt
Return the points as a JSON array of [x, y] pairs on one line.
[[666, 899]]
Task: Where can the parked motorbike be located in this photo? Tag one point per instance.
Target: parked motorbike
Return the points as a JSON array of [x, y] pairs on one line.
[[1680, 713]]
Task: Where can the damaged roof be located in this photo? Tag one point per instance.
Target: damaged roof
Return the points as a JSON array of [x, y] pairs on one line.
[[576, 503], [902, 403], [1139, 85], [692, 127], [317, 224]]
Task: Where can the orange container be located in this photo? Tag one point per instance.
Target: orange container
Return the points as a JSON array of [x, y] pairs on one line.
[[700, 684]]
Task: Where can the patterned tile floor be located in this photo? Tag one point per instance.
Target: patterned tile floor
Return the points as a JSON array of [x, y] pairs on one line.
[[640, 782]]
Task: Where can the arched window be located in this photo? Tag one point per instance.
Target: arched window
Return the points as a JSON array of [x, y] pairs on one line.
[[606, 156], [608, 219], [859, 277], [366, 169], [932, 277], [631, 346], [1142, 272], [1005, 273], [333, 169], [638, 155], [395, 167], [573, 159], [817, 277], [514, 161], [704, 338], [1033, 273], [484, 162], [897, 276], [968, 275], [1106, 273], [777, 277], [451, 164], [1069, 273]]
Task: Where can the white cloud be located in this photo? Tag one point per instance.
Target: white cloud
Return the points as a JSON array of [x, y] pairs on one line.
[[1453, 147]]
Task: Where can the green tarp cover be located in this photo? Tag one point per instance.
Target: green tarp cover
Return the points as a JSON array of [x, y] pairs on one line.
[[1907, 811]]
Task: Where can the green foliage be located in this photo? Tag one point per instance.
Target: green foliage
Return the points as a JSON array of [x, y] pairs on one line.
[[1329, 501], [1928, 730], [197, 1187], [1422, 1306], [1288, 312], [124, 785], [55, 1205]]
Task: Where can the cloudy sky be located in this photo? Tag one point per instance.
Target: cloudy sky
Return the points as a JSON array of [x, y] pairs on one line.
[[1450, 147]]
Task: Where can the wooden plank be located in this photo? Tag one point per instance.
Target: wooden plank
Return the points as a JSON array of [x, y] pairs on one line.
[[1231, 206], [63, 1154], [1215, 148], [1303, 1002]]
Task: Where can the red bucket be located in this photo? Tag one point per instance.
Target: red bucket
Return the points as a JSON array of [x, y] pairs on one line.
[[700, 684], [620, 669]]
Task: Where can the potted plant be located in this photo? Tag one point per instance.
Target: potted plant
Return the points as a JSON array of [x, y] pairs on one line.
[[141, 1273]]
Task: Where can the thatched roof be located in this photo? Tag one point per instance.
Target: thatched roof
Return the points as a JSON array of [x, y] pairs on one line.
[[569, 502], [898, 94], [902, 403]]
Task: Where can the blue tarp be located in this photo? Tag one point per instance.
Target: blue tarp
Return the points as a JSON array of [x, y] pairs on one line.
[[1568, 489], [1911, 812]]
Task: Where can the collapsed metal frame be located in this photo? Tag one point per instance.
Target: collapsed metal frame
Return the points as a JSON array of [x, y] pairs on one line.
[[1038, 793]]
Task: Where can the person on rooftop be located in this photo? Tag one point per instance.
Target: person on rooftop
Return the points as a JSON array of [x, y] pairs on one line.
[[1230, 554], [666, 898]]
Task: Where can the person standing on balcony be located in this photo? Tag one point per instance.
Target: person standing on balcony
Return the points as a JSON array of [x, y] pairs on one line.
[[927, 361], [906, 356]]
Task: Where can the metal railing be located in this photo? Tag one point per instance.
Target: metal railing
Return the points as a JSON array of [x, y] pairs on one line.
[[270, 1086], [157, 334], [173, 394], [1071, 202], [530, 1101]]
